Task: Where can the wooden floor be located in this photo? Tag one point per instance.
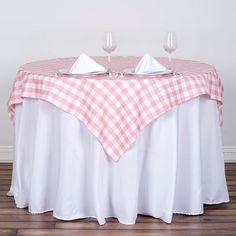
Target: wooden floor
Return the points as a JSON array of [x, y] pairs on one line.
[[217, 219]]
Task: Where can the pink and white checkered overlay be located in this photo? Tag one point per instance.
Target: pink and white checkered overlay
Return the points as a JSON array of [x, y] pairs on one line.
[[115, 110]]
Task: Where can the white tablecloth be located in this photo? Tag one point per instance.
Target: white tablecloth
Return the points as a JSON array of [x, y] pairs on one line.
[[175, 165]]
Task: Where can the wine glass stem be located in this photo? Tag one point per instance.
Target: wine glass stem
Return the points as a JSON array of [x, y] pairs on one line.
[[169, 58], [109, 65], [170, 61]]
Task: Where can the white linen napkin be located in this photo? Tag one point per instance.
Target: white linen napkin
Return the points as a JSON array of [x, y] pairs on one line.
[[149, 64], [84, 64]]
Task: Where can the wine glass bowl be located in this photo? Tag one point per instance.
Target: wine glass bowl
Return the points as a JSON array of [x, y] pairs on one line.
[[109, 49]]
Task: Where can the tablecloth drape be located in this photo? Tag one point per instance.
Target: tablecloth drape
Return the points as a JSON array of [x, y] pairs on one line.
[[174, 166]]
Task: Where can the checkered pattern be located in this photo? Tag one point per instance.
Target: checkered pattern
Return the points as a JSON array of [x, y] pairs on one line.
[[114, 110]]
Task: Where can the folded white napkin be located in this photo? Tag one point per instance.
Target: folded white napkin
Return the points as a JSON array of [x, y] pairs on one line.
[[149, 64], [85, 64]]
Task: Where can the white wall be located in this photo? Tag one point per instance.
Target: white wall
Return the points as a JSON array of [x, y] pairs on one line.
[[32, 30]]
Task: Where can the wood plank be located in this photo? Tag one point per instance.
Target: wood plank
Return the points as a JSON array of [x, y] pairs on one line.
[[193, 219], [8, 232], [147, 232], [216, 212], [233, 199], [6, 199], [6, 181], [223, 206], [4, 187], [27, 218], [185, 219], [230, 177], [26, 225], [5, 166], [7, 205], [230, 166], [230, 172], [5, 172], [232, 188], [6, 177], [20, 211], [144, 226], [231, 182], [3, 192]]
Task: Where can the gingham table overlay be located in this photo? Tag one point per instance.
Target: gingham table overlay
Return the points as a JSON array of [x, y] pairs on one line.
[[115, 110]]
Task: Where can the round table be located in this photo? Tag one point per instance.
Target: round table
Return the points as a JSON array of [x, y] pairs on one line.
[[172, 165]]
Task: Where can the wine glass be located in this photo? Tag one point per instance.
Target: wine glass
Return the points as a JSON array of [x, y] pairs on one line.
[[109, 45], [170, 44]]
